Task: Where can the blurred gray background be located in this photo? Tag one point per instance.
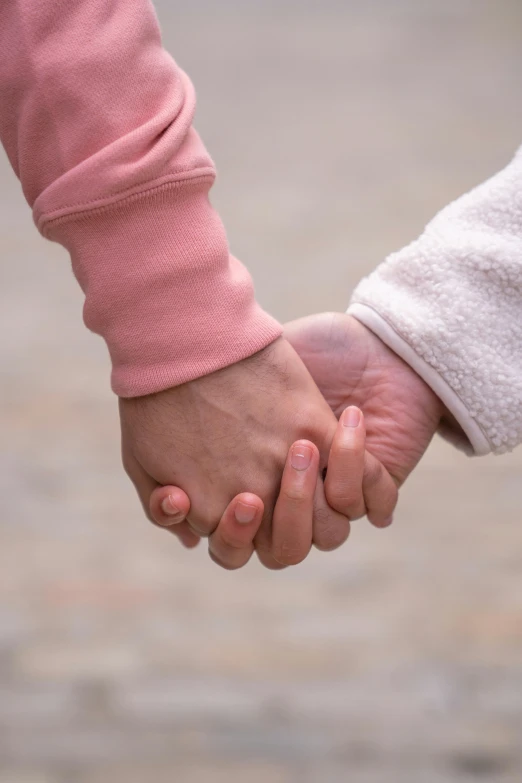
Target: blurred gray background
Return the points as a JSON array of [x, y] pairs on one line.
[[339, 128]]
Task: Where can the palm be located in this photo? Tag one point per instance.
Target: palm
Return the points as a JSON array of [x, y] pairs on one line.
[[352, 366]]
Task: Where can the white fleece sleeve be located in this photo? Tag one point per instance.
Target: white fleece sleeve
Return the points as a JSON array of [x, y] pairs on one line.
[[450, 304]]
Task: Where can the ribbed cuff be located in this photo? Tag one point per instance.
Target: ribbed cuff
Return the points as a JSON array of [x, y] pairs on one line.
[[161, 288]]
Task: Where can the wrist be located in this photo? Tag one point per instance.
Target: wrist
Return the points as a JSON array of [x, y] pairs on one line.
[[162, 289], [468, 436]]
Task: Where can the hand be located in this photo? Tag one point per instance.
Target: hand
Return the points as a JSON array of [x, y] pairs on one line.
[[354, 479], [352, 366], [227, 433]]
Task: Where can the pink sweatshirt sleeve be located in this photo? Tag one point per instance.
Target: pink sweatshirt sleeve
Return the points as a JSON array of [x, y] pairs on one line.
[[96, 119]]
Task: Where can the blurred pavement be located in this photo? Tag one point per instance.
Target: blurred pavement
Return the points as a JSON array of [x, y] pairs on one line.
[[339, 128]]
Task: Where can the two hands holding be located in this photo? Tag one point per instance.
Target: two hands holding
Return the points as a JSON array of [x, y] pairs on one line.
[[263, 463]]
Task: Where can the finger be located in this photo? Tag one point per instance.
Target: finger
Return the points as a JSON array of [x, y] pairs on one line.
[[331, 529], [293, 514], [263, 539], [232, 543], [147, 489], [205, 514], [143, 483], [186, 535], [168, 508], [169, 505], [263, 544], [267, 559], [380, 492], [344, 479]]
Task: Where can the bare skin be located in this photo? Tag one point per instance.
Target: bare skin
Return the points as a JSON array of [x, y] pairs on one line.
[[353, 367], [233, 541], [228, 433]]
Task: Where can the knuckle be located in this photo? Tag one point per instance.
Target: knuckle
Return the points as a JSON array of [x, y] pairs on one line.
[[346, 502], [343, 449], [288, 553], [306, 421], [203, 526], [389, 502], [349, 503], [204, 518], [267, 559], [322, 518], [263, 538], [231, 542], [343, 494], [316, 426], [226, 565], [331, 535], [294, 495], [372, 474]]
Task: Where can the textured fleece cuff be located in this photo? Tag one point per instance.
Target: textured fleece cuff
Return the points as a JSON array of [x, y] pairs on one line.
[[450, 304], [470, 439]]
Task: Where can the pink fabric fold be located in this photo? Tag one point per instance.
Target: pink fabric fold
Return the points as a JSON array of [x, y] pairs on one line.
[[96, 119]]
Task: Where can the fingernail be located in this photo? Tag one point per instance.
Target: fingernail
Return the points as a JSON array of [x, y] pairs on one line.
[[301, 457], [387, 522], [351, 417], [168, 507], [244, 513]]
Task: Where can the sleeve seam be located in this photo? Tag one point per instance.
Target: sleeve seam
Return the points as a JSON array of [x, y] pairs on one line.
[[103, 204]]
